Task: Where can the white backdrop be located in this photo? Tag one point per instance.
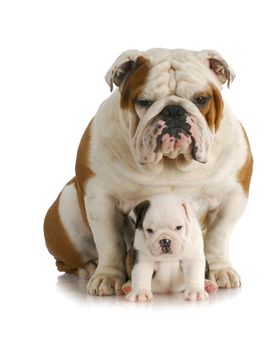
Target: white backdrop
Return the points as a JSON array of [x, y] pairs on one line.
[[54, 55]]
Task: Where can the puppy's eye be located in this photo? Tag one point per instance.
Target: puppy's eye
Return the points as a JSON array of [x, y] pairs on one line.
[[201, 100], [178, 228], [149, 230], [143, 103]]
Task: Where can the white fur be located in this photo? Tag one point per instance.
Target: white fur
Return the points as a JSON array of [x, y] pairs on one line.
[[121, 181], [71, 218], [180, 270]]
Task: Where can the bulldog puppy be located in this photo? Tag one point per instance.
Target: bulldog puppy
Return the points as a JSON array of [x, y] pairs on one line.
[[168, 252], [164, 129]]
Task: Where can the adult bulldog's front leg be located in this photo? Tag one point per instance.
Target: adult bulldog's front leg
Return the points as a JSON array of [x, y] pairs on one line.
[[106, 222], [217, 237]]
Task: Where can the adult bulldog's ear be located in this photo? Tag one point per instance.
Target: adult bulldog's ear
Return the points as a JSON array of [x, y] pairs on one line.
[[218, 65], [140, 211], [123, 65]]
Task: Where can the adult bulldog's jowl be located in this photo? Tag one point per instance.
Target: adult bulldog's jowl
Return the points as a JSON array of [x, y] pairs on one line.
[[165, 129]]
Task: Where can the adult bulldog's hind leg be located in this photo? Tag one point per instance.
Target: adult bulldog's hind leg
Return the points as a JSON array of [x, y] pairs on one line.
[[85, 272], [68, 236]]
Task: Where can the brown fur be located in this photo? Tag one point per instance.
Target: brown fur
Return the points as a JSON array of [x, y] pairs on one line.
[[83, 170], [80, 199], [129, 263], [203, 220], [245, 173], [81, 202], [58, 242], [213, 110], [133, 84]]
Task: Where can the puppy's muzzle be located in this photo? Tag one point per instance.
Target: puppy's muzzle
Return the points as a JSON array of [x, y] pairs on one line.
[[165, 245]]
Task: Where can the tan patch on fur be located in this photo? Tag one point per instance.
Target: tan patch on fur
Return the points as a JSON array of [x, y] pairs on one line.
[[80, 199], [213, 110], [203, 221], [133, 84], [81, 203], [207, 219], [58, 242], [129, 263], [245, 173], [57, 239], [83, 170]]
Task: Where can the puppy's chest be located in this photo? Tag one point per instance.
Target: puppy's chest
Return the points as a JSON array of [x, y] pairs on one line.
[[168, 277]]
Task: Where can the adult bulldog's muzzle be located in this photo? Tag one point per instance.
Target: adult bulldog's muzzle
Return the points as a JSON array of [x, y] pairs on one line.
[[173, 123], [176, 128]]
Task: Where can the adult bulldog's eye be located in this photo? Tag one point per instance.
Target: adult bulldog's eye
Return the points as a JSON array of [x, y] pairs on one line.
[[149, 230], [144, 103], [201, 100], [178, 228]]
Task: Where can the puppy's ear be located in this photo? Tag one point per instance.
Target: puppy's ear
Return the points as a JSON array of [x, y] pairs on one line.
[[123, 65], [187, 210], [140, 211], [218, 65]]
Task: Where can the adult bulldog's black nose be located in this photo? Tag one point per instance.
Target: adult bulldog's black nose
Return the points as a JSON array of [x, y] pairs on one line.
[[165, 245], [173, 111]]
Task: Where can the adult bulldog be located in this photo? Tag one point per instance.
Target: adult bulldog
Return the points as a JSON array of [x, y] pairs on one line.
[[165, 129]]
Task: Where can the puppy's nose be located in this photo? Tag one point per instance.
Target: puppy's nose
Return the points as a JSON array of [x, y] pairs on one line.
[[165, 242], [165, 245], [173, 111]]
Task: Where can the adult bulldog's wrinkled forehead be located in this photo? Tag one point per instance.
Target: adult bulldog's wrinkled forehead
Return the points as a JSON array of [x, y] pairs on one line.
[[169, 67], [188, 64], [176, 72]]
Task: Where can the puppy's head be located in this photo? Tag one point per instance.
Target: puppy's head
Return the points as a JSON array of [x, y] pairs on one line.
[[163, 224]]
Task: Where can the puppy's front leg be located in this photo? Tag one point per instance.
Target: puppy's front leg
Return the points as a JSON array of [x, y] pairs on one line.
[[194, 278], [141, 282]]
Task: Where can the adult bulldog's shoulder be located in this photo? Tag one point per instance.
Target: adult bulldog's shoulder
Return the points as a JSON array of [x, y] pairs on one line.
[[232, 150]]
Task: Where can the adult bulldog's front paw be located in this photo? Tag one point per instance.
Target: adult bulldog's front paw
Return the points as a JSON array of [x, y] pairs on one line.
[[103, 284], [225, 277], [193, 294], [142, 295]]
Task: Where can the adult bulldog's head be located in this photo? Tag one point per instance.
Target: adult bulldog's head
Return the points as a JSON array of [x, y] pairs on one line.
[[170, 101]]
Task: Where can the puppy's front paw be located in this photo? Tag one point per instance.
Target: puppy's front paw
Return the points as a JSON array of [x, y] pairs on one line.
[[142, 295], [127, 287], [210, 286], [193, 293]]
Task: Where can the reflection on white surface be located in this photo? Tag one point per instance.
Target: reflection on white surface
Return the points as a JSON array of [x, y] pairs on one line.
[[74, 287]]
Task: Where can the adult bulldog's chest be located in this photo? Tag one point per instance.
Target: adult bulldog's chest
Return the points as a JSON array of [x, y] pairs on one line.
[[192, 187]]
